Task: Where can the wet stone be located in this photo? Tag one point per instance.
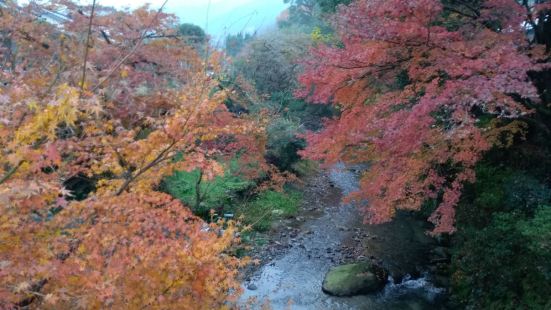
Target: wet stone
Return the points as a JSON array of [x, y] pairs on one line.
[[354, 279]]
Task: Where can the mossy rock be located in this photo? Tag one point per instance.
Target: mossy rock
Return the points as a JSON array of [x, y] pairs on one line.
[[354, 279]]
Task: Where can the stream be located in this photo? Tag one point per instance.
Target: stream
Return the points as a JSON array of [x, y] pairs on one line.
[[332, 233]]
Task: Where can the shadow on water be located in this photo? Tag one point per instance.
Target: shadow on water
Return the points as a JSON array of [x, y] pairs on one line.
[[293, 279]]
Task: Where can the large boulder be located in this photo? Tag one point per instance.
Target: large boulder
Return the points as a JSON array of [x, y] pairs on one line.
[[354, 279]]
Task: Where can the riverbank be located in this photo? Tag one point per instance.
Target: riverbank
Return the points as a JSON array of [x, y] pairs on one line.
[[326, 233]]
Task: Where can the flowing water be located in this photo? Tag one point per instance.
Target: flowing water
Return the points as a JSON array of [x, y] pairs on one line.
[[293, 279]]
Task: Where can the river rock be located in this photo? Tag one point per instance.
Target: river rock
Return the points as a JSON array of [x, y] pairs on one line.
[[354, 279]]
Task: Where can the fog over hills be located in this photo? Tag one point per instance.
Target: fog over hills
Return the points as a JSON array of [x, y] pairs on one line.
[[225, 16]]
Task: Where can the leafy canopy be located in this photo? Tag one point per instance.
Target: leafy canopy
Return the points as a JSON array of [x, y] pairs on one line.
[[143, 105], [413, 80]]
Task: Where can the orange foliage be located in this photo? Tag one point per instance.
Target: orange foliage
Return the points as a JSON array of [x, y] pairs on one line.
[[149, 105]]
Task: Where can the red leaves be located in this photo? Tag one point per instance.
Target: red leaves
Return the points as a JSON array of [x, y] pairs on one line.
[[411, 92]]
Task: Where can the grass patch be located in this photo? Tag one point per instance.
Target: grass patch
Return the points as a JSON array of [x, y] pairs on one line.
[[305, 167], [269, 206], [222, 194]]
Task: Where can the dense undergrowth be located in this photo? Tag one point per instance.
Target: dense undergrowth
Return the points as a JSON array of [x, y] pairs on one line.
[[233, 196], [501, 252]]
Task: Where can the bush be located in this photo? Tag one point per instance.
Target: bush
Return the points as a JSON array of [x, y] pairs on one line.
[[502, 252], [537, 232], [500, 189], [525, 193], [505, 265], [283, 143]]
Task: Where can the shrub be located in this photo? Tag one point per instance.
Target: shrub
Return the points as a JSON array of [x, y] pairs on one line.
[[502, 254], [283, 143], [506, 265]]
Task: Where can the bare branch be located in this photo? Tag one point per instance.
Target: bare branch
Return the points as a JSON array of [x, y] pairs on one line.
[[132, 52], [86, 49]]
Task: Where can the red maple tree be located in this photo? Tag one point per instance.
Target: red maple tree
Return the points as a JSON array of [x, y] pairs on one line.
[[416, 82]]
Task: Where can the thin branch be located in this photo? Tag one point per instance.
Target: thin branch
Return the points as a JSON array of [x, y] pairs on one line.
[[152, 164], [132, 52], [207, 45], [447, 8], [86, 49], [10, 172], [162, 156], [105, 36], [470, 7]]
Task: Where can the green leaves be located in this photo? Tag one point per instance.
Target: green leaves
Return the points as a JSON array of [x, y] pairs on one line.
[[220, 193]]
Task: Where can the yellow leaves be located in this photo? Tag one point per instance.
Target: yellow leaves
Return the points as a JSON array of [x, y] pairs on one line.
[[109, 243], [318, 36], [124, 73], [209, 137], [33, 106], [94, 108], [64, 109], [107, 187], [19, 192], [216, 169], [137, 237]]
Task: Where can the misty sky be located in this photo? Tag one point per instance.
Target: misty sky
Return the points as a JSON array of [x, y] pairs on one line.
[[226, 16]]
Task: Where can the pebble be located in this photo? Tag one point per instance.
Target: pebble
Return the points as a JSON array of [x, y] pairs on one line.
[[252, 287]]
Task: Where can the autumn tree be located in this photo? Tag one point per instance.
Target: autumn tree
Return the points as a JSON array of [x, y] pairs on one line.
[[120, 99], [424, 89]]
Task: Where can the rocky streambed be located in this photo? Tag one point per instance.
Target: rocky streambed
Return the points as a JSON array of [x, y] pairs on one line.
[[326, 234]]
